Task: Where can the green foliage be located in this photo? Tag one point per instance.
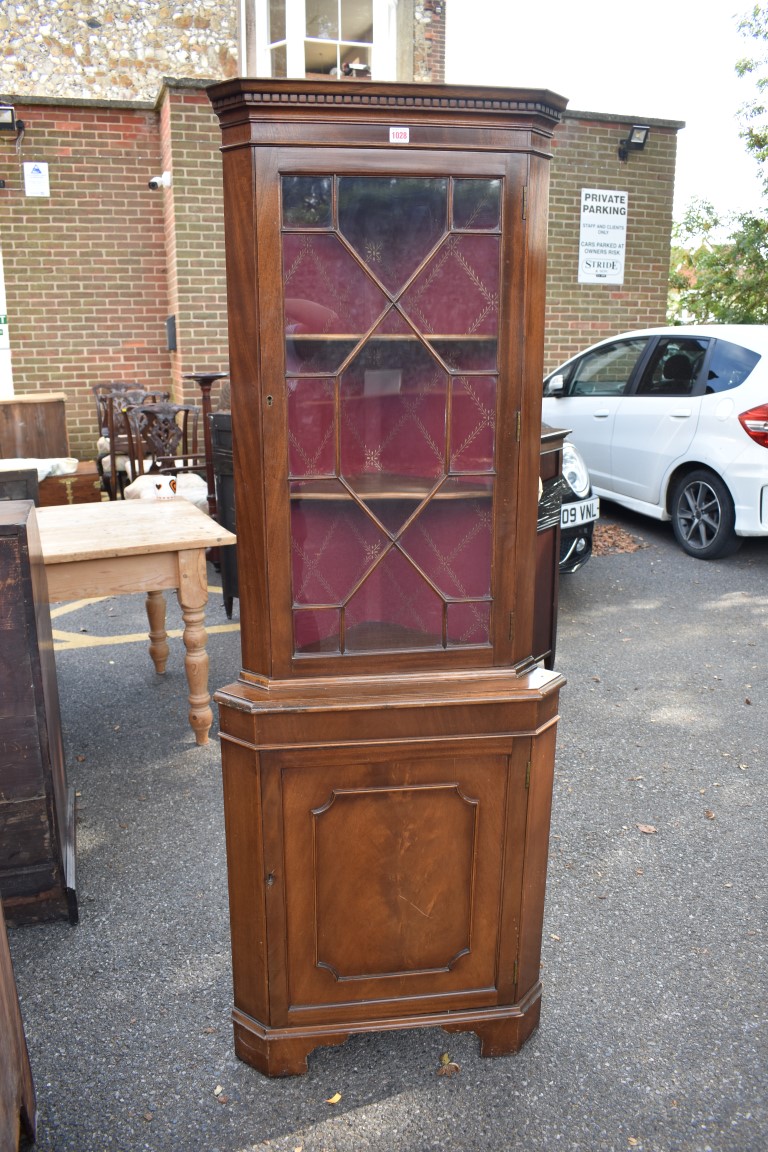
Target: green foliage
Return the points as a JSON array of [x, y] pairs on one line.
[[719, 265], [719, 268]]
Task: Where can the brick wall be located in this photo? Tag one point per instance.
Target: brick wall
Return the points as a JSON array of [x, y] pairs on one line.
[[197, 274], [85, 268], [585, 156], [93, 272]]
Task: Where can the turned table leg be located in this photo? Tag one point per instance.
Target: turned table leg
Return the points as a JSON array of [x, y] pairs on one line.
[[193, 596], [158, 637]]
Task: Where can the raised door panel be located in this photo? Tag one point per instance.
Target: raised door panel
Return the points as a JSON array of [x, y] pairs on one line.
[[394, 875]]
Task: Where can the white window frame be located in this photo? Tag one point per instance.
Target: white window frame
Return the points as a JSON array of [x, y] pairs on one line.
[[256, 58]]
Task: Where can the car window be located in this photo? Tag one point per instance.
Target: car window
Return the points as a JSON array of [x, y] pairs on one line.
[[673, 367], [607, 370], [730, 365]]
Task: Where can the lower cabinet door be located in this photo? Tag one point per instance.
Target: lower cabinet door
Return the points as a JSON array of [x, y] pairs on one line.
[[400, 876]]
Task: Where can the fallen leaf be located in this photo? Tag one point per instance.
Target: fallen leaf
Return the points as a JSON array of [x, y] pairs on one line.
[[223, 1099], [445, 1057], [553, 937], [648, 829], [218, 1090], [747, 700], [208, 1031], [79, 758], [449, 1069], [633, 1142], [709, 814], [334, 1099], [148, 1116]]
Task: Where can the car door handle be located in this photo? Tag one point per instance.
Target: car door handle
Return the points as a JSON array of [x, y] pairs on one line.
[[602, 414], [681, 414]]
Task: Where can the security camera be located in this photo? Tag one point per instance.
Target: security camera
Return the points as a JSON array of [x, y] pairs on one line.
[[163, 181]]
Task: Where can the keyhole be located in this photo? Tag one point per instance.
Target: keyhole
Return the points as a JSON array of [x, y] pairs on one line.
[[270, 401]]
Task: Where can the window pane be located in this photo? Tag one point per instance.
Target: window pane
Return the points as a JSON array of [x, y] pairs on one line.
[[730, 365], [476, 204], [306, 201], [392, 223], [311, 428], [276, 21], [469, 624], [394, 608], [317, 630], [322, 19], [357, 21], [673, 367], [334, 543], [279, 62], [606, 372]]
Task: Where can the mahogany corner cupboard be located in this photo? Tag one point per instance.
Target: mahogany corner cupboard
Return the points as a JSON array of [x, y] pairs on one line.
[[388, 748]]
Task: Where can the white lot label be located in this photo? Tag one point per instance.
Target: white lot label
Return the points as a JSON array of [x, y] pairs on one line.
[[399, 135]]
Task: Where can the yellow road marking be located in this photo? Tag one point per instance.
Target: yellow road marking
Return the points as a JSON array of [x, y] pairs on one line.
[[64, 641]]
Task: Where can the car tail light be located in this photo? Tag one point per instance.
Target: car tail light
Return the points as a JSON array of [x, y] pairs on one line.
[[755, 424]]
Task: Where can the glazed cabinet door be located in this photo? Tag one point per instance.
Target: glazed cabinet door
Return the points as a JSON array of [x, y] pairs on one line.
[[390, 381]]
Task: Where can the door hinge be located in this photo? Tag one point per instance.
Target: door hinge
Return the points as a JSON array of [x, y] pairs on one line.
[[528, 774], [525, 202]]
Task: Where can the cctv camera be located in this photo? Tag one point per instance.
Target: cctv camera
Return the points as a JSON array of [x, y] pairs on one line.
[[163, 181]]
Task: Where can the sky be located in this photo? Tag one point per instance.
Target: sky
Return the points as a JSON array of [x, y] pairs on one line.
[[660, 59]]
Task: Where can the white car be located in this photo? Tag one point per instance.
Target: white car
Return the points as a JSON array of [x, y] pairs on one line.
[[673, 423]]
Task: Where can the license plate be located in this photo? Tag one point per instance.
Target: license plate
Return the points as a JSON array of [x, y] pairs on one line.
[[579, 512]]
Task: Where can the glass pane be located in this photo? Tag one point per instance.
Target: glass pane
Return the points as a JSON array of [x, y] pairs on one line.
[[392, 418], [469, 624], [317, 630], [476, 204], [334, 543], [279, 58], [606, 372], [355, 61], [321, 57], [458, 291], [357, 20], [276, 21], [394, 608], [392, 223], [451, 538], [311, 428], [473, 354], [326, 291], [306, 201], [473, 424], [322, 19]]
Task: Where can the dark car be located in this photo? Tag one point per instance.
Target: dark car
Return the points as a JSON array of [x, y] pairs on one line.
[[570, 496]]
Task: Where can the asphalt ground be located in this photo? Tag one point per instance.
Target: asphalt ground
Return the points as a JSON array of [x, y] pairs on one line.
[[653, 1029]]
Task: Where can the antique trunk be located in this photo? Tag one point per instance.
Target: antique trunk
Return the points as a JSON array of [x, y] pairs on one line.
[[388, 748], [37, 834]]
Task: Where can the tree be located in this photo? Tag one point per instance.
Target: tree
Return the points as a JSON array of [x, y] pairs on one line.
[[719, 265], [754, 114], [719, 268]]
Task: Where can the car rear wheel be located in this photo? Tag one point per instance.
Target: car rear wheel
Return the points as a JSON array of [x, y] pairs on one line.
[[703, 517]]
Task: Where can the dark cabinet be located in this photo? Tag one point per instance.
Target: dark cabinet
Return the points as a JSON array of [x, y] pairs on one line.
[[37, 822], [388, 747]]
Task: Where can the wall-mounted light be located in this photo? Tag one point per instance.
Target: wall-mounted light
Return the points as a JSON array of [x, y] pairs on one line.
[[7, 118], [635, 142]]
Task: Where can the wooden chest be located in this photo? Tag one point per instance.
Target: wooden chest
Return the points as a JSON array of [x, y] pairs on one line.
[[81, 487], [37, 839]]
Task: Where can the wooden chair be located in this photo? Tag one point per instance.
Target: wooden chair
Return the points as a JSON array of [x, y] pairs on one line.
[[112, 401], [163, 437]]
